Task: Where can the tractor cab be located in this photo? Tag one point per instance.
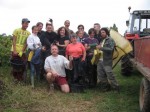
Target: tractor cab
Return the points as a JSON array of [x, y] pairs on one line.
[[138, 24]]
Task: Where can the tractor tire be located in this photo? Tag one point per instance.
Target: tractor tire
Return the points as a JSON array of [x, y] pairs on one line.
[[144, 99], [126, 66]]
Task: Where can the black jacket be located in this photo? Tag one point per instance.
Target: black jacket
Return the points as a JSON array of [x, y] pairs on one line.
[[97, 36], [47, 39], [40, 33]]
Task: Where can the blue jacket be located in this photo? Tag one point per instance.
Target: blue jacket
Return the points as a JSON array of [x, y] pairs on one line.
[[36, 59]]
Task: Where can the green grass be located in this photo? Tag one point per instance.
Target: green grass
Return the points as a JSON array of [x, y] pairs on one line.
[[22, 98]]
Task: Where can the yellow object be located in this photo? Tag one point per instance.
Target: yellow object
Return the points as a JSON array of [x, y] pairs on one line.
[[30, 55], [123, 46], [101, 57], [20, 54], [96, 56], [21, 37]]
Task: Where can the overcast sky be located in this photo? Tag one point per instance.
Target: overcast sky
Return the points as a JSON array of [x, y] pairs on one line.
[[86, 12]]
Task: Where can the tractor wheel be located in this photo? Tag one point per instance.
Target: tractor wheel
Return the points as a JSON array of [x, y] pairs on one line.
[[144, 98], [126, 66]]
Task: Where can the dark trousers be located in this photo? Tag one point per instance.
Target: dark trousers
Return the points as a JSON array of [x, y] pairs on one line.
[[44, 55], [105, 75], [91, 72], [78, 72], [19, 74]]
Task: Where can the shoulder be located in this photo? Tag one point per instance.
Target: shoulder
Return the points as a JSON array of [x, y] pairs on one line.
[[96, 39], [48, 58], [68, 45], [86, 40], [29, 37], [28, 32], [61, 57], [85, 33], [110, 39], [42, 31], [54, 33], [43, 35], [16, 31]]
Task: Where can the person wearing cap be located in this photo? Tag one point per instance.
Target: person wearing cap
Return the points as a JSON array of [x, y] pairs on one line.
[[19, 45], [78, 52]]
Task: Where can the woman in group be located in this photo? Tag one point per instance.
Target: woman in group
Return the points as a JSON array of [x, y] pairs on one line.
[[78, 52], [90, 44], [34, 46], [62, 40]]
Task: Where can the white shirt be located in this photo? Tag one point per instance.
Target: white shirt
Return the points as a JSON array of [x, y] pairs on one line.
[[57, 64], [33, 41]]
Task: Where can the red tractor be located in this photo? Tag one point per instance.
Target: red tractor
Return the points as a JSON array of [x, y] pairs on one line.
[[138, 33]]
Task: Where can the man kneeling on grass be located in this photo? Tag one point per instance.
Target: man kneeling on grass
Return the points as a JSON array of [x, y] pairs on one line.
[[55, 67]]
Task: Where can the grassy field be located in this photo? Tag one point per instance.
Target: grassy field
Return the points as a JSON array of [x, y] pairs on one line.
[[22, 98]]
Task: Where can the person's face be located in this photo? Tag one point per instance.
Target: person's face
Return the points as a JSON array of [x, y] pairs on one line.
[[80, 34], [73, 39], [35, 30], [97, 27], [62, 32], [40, 27], [103, 34], [54, 50], [80, 28], [67, 24], [49, 28], [92, 34], [25, 25]]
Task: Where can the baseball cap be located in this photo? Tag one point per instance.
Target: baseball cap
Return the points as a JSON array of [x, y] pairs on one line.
[[25, 20]]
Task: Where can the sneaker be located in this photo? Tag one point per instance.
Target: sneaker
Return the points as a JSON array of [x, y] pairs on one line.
[[51, 88]]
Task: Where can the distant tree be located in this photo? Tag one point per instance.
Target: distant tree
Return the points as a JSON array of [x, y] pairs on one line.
[[114, 27]]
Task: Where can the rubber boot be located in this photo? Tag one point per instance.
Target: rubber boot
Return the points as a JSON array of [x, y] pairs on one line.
[[32, 81]]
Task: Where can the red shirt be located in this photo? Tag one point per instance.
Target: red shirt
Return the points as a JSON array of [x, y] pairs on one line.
[[75, 50]]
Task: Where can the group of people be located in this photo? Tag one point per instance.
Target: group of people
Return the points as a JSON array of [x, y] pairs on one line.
[[63, 57]]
